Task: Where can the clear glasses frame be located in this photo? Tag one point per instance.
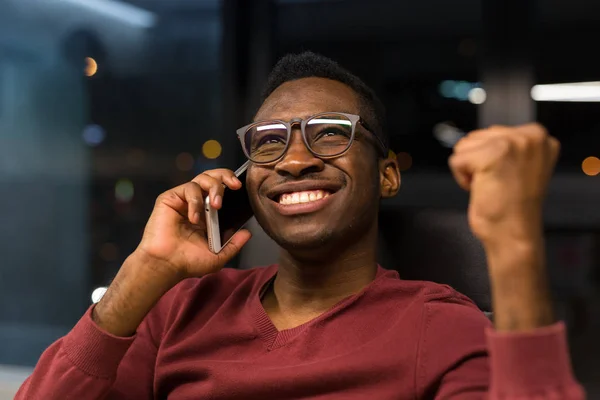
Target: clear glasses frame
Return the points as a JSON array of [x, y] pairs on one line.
[[354, 119]]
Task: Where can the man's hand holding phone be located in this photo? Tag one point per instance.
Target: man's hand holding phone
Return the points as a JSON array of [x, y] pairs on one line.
[[173, 247], [176, 232]]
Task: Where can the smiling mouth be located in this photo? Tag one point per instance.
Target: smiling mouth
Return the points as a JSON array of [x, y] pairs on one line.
[[302, 197]]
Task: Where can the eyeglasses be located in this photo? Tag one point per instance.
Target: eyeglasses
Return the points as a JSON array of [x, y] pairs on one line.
[[326, 135]]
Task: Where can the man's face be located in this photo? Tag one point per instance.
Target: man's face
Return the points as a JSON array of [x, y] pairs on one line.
[[342, 193]]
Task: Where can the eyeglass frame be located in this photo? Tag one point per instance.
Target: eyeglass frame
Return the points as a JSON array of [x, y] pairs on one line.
[[353, 118]]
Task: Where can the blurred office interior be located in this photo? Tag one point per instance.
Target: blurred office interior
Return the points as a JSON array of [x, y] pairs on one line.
[[104, 104]]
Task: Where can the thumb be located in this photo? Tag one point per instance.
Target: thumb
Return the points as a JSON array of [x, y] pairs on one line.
[[231, 249]]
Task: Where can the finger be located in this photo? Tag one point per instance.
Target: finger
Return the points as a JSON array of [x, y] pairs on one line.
[[226, 176], [186, 199], [477, 138], [466, 163], [213, 187], [194, 197], [238, 240], [534, 128], [469, 143]]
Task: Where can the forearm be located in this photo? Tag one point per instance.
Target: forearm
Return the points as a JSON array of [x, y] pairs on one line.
[[84, 363], [81, 365], [137, 287], [520, 290]]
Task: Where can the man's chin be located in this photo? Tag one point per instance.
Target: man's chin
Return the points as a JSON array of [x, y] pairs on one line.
[[298, 239]]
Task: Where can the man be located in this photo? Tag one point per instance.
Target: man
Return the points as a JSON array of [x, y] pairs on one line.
[[326, 322]]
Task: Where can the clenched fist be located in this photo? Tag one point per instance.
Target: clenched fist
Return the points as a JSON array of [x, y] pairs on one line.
[[507, 170]]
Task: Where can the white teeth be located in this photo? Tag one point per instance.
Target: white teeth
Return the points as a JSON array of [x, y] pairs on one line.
[[302, 197]]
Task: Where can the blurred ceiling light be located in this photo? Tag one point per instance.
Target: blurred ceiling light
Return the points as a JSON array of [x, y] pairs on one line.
[[477, 96], [577, 91], [97, 294], [121, 11], [124, 190], [591, 166], [211, 149], [93, 135], [184, 161], [91, 66]]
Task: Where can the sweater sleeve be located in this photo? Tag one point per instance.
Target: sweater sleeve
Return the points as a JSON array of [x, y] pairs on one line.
[[461, 357], [89, 363], [532, 364]]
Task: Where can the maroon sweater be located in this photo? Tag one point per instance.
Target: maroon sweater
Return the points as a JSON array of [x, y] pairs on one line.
[[210, 338]]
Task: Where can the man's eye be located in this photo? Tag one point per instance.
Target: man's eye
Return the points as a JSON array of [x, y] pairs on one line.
[[270, 139], [332, 132]]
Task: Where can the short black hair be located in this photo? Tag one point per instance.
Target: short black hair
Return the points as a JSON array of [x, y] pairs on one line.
[[308, 64]]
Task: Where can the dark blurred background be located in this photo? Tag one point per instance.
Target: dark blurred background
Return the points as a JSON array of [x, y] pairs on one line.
[[104, 104]]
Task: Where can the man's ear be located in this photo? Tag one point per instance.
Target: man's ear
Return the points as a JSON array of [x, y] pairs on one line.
[[389, 177]]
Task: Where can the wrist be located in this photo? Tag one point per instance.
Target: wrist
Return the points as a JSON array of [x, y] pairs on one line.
[[163, 270], [519, 282], [138, 286], [509, 251], [514, 231]]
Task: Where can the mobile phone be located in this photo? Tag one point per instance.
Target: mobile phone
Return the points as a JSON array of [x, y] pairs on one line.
[[234, 213]]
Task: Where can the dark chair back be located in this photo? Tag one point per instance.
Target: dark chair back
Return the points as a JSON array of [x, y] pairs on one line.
[[435, 245]]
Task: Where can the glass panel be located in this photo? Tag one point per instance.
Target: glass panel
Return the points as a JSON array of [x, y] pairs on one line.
[[102, 108]]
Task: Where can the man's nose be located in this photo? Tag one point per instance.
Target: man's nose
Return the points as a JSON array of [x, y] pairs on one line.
[[298, 160]]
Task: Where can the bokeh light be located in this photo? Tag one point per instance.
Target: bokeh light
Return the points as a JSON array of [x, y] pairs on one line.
[[447, 133], [404, 161], [124, 190], [462, 89], [93, 135], [477, 95], [447, 88], [591, 166], [97, 294], [91, 66], [458, 90], [211, 149], [184, 161], [391, 154]]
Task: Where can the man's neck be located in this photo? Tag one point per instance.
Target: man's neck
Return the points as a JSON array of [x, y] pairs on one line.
[[304, 288]]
